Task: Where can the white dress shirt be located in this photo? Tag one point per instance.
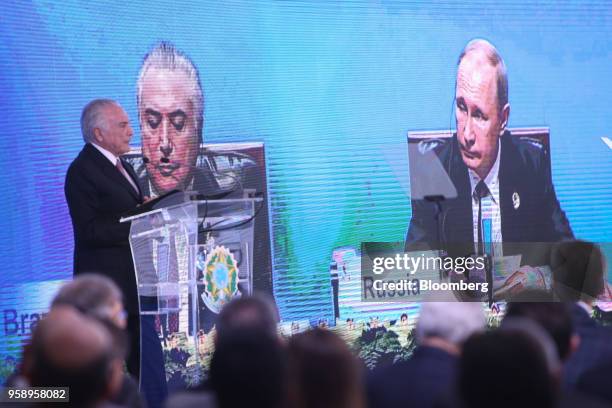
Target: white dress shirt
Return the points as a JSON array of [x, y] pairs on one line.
[[490, 204]]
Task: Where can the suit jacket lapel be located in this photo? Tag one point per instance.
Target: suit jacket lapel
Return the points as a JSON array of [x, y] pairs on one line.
[[458, 215], [128, 167], [111, 171], [508, 186]]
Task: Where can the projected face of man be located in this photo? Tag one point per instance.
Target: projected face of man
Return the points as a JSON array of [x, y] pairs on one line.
[[480, 121], [168, 122]]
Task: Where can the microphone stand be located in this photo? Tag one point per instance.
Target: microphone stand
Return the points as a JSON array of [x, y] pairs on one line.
[[437, 201], [237, 186]]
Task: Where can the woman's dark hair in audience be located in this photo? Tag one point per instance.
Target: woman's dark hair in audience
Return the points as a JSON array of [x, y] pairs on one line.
[[255, 312], [323, 372], [81, 358], [504, 369], [554, 317], [249, 369]]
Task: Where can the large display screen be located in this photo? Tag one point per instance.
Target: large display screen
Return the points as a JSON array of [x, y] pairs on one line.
[[332, 89]]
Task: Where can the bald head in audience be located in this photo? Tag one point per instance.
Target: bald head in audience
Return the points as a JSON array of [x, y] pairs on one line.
[[72, 350]]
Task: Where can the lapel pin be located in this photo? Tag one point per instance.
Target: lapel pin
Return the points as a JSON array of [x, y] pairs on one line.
[[516, 200]]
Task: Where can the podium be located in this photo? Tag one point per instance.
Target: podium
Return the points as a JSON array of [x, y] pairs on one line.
[[191, 257]]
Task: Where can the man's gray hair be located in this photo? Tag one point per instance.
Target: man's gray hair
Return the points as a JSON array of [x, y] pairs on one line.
[[450, 321], [165, 56], [92, 117], [496, 61], [91, 294]]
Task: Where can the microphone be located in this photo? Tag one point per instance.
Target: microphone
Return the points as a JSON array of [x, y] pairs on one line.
[[146, 160]]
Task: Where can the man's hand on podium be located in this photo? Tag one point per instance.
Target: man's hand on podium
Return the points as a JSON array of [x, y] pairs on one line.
[[145, 200]]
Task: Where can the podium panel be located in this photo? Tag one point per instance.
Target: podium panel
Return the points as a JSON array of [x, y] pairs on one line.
[[191, 257]]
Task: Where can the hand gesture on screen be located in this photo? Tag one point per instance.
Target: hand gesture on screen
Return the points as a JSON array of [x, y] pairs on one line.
[[527, 277]]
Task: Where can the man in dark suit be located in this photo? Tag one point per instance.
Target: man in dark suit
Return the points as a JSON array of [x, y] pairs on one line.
[[497, 177], [99, 187], [522, 171], [98, 193], [431, 371]]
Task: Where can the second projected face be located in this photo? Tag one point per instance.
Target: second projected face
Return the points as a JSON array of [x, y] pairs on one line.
[[480, 120]]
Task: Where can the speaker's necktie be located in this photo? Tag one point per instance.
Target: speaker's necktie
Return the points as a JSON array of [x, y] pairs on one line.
[[123, 171]]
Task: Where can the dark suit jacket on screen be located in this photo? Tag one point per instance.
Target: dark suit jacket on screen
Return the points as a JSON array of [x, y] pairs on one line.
[[97, 194], [204, 182], [524, 172]]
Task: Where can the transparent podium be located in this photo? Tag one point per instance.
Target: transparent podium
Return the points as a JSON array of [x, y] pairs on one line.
[[191, 257]]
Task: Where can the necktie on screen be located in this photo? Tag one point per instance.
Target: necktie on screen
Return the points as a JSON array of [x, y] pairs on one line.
[[123, 171], [480, 192]]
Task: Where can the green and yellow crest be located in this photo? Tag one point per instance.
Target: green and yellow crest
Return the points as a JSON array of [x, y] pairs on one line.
[[220, 278]]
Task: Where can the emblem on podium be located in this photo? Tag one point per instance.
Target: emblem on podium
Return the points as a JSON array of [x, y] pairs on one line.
[[220, 278]]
